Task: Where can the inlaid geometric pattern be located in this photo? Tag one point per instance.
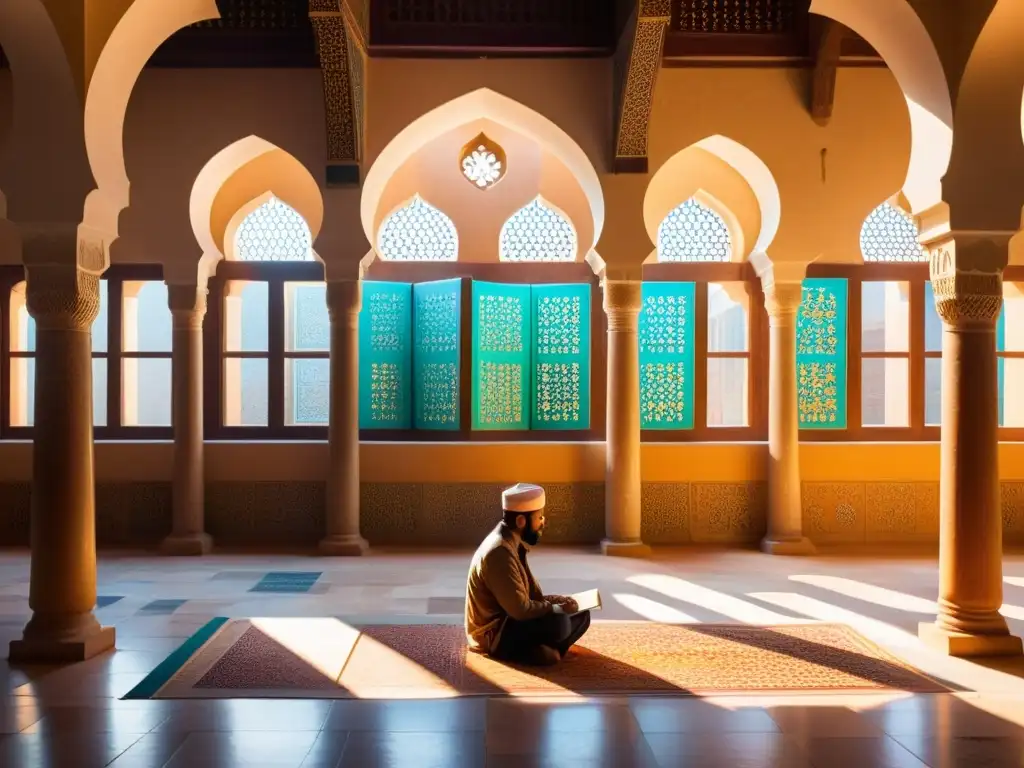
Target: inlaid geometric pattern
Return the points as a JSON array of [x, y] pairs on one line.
[[501, 323], [666, 356], [385, 355], [385, 392], [561, 356], [501, 394], [273, 232], [728, 512], [437, 319], [665, 513], [737, 16], [537, 232], [418, 232], [693, 232], [889, 234], [501, 355], [821, 354]]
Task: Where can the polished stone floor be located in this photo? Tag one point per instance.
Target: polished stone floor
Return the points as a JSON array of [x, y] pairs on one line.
[[74, 717]]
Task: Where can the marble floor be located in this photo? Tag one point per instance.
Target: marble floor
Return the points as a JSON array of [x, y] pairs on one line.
[[74, 717]]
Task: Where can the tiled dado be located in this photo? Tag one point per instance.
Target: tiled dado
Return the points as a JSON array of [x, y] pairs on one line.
[[462, 513], [891, 512], [723, 513], [127, 514], [871, 512]]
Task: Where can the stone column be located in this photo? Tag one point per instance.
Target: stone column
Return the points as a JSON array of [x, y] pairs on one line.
[[188, 535], [622, 461], [785, 515], [63, 298], [344, 300], [966, 274]]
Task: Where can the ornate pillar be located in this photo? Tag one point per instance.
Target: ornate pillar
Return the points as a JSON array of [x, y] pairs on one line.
[[62, 295], [622, 461], [966, 274], [188, 536], [785, 515], [344, 300]]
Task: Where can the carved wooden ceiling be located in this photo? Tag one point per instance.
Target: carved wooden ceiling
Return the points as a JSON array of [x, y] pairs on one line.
[[336, 36], [278, 33]]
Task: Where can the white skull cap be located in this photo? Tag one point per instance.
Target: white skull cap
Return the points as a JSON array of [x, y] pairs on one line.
[[522, 497]]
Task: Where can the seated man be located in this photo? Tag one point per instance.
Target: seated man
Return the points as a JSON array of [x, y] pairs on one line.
[[507, 615]]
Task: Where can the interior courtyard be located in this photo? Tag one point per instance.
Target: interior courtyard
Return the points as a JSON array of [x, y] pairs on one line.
[[291, 290]]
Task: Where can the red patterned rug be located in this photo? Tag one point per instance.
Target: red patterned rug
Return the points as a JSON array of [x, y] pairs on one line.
[[313, 658]]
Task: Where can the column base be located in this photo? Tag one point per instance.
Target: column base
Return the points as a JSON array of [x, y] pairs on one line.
[[625, 548], [61, 650], [961, 644], [344, 546], [187, 544], [788, 547]]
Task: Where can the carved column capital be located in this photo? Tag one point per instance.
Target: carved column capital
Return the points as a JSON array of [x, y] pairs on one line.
[[187, 304], [61, 296], [622, 301], [966, 271], [344, 300], [782, 300]]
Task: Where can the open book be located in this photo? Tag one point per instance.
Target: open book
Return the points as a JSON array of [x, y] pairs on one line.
[[588, 600]]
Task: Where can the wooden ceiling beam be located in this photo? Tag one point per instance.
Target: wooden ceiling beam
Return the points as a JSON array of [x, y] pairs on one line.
[[637, 62], [826, 42]]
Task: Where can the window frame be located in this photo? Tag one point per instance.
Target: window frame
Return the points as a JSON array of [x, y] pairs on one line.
[[702, 273], [275, 274], [916, 275], [115, 429], [528, 273]]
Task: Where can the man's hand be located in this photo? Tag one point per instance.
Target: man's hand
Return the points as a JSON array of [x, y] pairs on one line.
[[567, 604]]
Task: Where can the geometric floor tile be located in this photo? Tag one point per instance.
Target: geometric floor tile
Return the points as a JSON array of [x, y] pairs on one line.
[[102, 601], [287, 582], [161, 607]]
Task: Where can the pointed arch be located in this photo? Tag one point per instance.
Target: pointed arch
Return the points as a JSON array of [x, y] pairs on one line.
[[893, 28], [538, 232], [240, 178], [693, 232], [889, 234], [487, 104], [418, 231], [145, 25]]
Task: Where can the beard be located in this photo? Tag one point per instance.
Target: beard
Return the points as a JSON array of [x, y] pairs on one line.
[[531, 536]]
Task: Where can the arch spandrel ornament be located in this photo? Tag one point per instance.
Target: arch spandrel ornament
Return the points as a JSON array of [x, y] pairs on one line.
[[483, 162]]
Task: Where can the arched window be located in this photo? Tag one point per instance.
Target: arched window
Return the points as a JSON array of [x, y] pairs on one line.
[[537, 232], [418, 232], [274, 232], [889, 234], [693, 232]]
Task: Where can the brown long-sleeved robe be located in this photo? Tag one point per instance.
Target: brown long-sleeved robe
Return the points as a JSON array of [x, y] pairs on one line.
[[500, 585]]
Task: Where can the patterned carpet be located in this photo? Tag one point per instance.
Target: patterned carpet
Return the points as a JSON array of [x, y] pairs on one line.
[[324, 658]]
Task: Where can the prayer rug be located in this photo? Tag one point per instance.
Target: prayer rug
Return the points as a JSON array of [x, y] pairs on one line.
[[326, 658]]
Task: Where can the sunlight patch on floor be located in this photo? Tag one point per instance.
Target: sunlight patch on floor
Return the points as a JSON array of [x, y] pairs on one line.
[[652, 610], [711, 599]]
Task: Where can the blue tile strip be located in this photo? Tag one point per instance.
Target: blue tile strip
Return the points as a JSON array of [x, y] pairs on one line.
[[162, 607], [102, 601], [169, 667], [288, 582]]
